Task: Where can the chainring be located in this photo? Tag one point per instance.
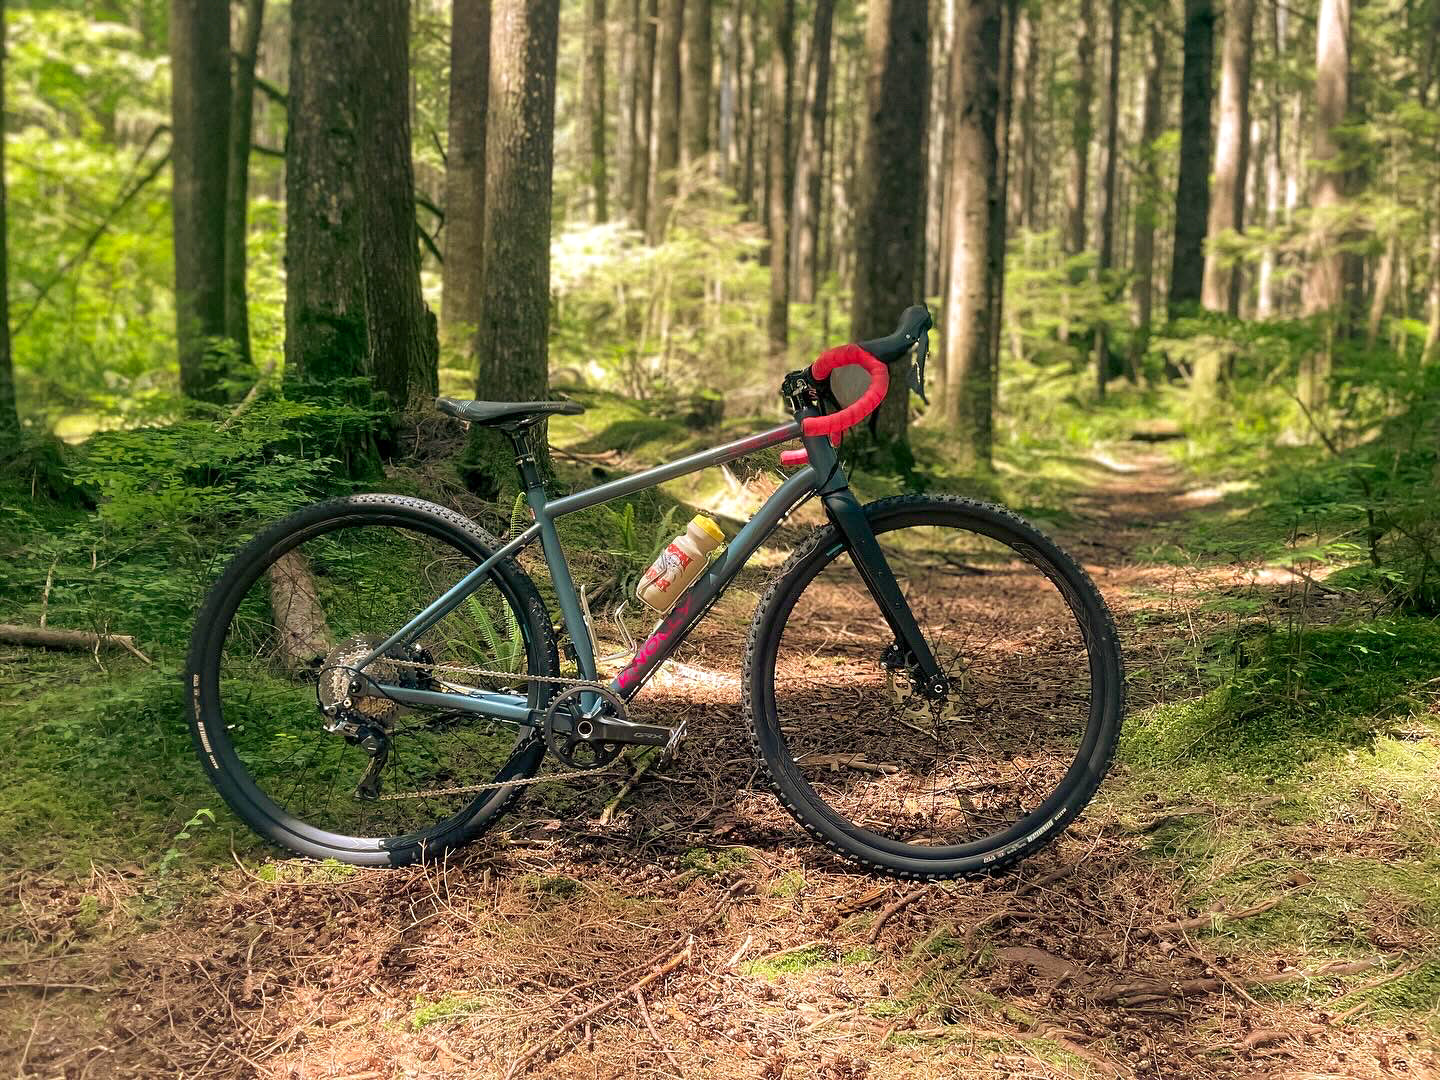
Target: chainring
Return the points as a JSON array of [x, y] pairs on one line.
[[575, 747]]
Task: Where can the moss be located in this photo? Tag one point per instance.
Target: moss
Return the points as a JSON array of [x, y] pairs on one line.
[[446, 1007], [709, 862], [791, 962], [789, 884]]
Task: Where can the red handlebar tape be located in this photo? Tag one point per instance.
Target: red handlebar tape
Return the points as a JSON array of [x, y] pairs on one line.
[[848, 417]]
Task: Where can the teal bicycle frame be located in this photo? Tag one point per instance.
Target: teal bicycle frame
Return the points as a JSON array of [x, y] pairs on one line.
[[823, 475]]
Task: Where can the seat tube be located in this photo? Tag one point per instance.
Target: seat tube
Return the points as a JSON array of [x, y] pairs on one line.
[[560, 578]]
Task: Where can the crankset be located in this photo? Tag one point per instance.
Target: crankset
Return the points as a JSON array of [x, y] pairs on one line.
[[586, 726]]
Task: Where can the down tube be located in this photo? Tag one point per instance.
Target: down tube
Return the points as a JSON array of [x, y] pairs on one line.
[[697, 599]]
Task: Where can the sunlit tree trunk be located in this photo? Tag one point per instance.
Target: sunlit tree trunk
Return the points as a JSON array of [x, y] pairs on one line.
[[1274, 172], [778, 179], [1076, 197], [1324, 285], [1021, 192], [1107, 213], [199, 156], [237, 184], [972, 235], [695, 126], [810, 158], [9, 414], [594, 108], [512, 340], [1192, 191], [1152, 126], [1221, 285], [462, 276], [644, 116], [667, 120]]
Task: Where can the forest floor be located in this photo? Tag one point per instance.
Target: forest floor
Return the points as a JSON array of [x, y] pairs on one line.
[[1203, 918]]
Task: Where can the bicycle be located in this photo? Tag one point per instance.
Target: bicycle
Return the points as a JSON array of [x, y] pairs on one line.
[[333, 667]]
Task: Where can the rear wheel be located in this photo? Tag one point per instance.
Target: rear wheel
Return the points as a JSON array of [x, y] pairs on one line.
[[316, 592], [922, 788]]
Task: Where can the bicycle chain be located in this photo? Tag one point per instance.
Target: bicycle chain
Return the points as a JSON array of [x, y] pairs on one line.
[[468, 789]]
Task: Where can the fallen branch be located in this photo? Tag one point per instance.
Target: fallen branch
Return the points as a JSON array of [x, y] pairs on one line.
[[645, 1015], [47, 637], [528, 1055], [892, 909], [1145, 990], [630, 785], [1212, 920], [249, 399]]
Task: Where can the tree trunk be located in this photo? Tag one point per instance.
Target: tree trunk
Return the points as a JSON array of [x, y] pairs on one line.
[[890, 202], [1274, 172], [1324, 286], [971, 204], [667, 121], [237, 184], [1021, 191], [464, 270], [696, 95], [325, 334], [594, 106], [1192, 191], [810, 158], [403, 346], [200, 121], [1107, 213], [728, 96], [352, 299], [9, 414], [750, 113], [515, 314], [1152, 126], [995, 249], [1076, 200], [304, 638], [644, 117], [778, 183], [1220, 289]]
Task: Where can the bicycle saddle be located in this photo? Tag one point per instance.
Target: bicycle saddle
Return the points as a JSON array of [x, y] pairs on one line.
[[516, 414]]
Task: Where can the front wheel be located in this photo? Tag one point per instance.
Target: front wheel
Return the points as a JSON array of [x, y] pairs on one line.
[[932, 789]]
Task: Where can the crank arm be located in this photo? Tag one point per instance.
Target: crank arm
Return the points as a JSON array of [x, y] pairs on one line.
[[622, 731]]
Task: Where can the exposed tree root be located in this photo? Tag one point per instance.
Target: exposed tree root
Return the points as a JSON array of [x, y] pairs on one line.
[[47, 637]]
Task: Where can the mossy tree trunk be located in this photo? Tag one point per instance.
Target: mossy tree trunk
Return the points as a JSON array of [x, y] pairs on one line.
[[696, 95], [464, 267], [200, 146], [237, 186], [512, 340], [1152, 126]]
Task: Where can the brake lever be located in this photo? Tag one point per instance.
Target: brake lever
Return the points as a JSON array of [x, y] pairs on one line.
[[916, 377]]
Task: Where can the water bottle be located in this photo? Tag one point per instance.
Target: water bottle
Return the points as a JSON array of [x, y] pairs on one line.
[[679, 564]]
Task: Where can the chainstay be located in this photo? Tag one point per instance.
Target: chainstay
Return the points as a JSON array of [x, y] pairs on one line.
[[510, 676]]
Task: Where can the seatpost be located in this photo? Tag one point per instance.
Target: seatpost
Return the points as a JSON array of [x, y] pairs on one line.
[[525, 462]]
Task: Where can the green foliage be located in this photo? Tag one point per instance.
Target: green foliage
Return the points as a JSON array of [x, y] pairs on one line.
[[632, 544], [173, 854]]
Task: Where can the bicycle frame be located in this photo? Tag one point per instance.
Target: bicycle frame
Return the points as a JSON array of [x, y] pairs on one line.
[[822, 476]]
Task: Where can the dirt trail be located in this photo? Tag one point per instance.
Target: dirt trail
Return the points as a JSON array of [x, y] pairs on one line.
[[701, 934]]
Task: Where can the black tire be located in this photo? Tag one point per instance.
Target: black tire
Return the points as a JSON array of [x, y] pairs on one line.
[[1097, 720], [459, 818]]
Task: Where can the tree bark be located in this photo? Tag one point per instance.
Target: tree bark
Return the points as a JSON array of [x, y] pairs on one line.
[[971, 203], [237, 184], [1220, 287], [199, 134], [1192, 191], [1325, 297], [402, 344], [1107, 213], [464, 270], [1152, 126], [1021, 191], [890, 201], [695, 97], [512, 340], [1274, 172], [778, 177], [667, 120], [1081, 129], [304, 638], [9, 413], [594, 106], [644, 117], [810, 158]]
